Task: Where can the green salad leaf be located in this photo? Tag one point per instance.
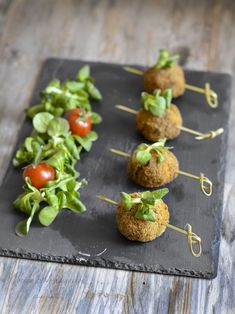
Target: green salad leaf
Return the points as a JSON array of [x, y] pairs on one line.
[[84, 73], [95, 118], [41, 121], [52, 198], [52, 142], [86, 141], [57, 97], [57, 127]]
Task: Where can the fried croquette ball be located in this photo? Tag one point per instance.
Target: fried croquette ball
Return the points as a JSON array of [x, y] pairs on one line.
[[172, 77], [141, 230], [154, 173], [153, 128]]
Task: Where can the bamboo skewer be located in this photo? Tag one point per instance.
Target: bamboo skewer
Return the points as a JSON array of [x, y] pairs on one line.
[[206, 185], [199, 135], [193, 238], [211, 96]]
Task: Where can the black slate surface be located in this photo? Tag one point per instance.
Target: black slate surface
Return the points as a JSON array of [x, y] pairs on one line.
[[92, 238]]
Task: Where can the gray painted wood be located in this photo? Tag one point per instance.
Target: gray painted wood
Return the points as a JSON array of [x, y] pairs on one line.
[[118, 31]]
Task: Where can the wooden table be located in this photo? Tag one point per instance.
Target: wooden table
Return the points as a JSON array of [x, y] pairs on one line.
[[116, 31]]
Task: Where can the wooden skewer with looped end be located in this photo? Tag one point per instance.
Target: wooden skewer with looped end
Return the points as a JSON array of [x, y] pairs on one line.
[[206, 185], [193, 238], [199, 135], [211, 96]]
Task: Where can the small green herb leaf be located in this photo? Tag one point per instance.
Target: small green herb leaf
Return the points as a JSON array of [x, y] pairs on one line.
[[166, 60], [22, 228], [74, 204], [74, 86], [57, 160], [28, 144], [52, 199], [157, 194], [47, 215], [127, 200], [84, 73], [144, 203], [143, 156], [93, 91], [145, 213], [41, 121], [95, 118], [86, 141], [167, 95], [156, 103], [57, 127], [33, 110]]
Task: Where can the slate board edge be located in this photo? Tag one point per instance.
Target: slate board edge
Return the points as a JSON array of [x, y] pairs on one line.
[[223, 174], [139, 66], [104, 263]]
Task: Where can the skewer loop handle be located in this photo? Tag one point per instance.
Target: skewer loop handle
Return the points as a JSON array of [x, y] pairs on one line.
[[205, 185], [194, 240], [210, 134]]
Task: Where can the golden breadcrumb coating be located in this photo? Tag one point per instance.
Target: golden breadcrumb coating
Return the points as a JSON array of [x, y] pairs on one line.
[[172, 77], [153, 174], [140, 230], [154, 128]]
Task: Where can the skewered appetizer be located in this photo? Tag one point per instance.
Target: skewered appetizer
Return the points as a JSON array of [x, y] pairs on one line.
[[142, 223], [159, 118], [166, 73], [155, 165], [152, 165], [144, 217]]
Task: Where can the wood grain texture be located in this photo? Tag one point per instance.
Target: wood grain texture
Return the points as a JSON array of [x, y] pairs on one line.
[[118, 31]]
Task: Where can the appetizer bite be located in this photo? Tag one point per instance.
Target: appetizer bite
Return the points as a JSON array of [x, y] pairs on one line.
[[144, 217], [159, 118], [155, 165], [166, 73], [51, 152]]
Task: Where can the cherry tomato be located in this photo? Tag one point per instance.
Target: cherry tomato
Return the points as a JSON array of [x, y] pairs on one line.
[[79, 121], [71, 112], [39, 174]]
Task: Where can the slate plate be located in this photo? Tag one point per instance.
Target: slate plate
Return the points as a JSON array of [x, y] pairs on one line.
[[92, 238]]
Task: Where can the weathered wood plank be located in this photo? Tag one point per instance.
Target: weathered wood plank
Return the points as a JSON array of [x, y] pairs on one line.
[[118, 31]]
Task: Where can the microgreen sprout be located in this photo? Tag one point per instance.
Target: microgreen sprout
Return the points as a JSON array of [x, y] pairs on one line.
[[166, 60], [142, 206], [158, 102], [144, 155]]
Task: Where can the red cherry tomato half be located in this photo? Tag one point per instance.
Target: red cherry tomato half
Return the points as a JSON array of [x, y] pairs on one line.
[[79, 121], [39, 174]]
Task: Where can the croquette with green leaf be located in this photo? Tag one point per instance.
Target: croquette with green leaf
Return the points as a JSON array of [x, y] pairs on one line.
[[166, 73], [152, 165], [158, 118], [142, 216]]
